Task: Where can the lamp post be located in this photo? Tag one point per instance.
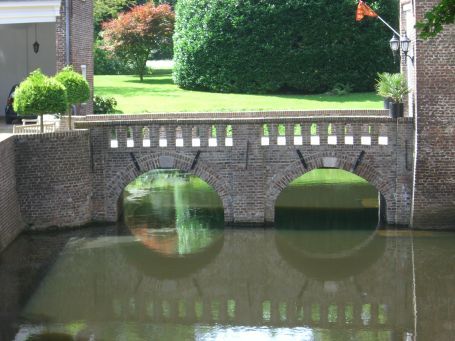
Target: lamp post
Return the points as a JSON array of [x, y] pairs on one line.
[[404, 42]]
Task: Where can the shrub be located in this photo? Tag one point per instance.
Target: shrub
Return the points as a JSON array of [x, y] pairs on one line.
[[280, 45], [104, 105], [39, 94], [77, 88], [392, 85]]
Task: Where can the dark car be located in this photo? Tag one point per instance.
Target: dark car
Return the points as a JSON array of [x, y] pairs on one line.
[[10, 115]]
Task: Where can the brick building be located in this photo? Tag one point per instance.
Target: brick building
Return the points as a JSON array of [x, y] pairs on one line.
[[431, 76], [62, 28]]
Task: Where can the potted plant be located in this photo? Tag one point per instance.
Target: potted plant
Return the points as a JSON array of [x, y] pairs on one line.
[[393, 87], [77, 88], [39, 94]]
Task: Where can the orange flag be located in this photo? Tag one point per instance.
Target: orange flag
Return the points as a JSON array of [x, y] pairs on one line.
[[364, 10]]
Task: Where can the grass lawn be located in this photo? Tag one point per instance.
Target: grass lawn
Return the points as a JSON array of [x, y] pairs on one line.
[[159, 94]]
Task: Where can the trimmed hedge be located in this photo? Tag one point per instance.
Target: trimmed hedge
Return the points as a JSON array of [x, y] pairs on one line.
[[77, 88], [39, 94], [261, 46]]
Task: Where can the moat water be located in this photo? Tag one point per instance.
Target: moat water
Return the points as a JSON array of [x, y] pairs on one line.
[[172, 271]]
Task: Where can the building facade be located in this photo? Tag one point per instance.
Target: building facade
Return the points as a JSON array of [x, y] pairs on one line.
[[430, 70], [63, 30]]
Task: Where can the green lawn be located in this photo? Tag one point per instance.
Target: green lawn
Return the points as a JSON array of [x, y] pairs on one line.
[[159, 94]]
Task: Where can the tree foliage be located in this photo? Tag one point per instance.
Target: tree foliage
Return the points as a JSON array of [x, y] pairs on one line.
[[39, 94], [260, 46], [104, 10], [77, 88], [441, 14], [135, 35], [392, 86]]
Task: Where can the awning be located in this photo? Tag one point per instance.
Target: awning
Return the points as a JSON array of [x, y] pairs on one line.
[[29, 11]]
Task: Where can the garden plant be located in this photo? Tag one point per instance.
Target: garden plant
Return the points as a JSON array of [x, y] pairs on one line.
[[39, 95]]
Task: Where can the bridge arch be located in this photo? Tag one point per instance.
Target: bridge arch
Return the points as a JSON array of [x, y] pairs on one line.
[[296, 169], [164, 160]]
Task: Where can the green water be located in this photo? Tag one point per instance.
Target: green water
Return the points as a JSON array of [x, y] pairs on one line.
[[171, 271]]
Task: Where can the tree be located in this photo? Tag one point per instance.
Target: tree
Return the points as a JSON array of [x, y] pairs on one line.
[[77, 88], [107, 9], [441, 14], [135, 35], [39, 94]]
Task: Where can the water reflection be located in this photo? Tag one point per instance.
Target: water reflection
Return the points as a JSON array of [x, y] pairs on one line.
[[173, 213], [336, 283]]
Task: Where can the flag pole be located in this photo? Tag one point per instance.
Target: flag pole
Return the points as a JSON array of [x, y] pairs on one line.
[[385, 23]]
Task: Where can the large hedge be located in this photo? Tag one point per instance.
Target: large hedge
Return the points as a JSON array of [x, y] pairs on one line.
[[280, 45]]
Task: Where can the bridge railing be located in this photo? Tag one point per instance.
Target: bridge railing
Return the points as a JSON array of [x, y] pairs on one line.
[[269, 130]]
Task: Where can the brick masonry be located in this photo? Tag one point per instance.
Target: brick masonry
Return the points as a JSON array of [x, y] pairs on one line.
[[10, 223], [81, 37], [54, 179], [434, 179], [249, 176]]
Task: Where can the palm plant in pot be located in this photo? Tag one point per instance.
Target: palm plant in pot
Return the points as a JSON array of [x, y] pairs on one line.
[[393, 87]]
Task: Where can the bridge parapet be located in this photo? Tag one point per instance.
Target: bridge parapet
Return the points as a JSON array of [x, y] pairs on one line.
[[199, 132]]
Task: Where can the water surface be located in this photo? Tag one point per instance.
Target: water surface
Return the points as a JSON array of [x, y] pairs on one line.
[[172, 272]]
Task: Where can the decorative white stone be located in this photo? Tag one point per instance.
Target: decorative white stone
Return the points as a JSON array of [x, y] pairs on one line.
[[365, 140], [196, 142], [315, 140], [332, 140], [349, 140], [383, 140], [281, 140]]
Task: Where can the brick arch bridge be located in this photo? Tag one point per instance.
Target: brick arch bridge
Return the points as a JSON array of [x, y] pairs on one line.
[[283, 178], [165, 160], [248, 158]]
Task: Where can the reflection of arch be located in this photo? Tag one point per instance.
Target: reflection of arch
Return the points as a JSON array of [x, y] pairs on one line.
[[324, 160], [334, 266], [164, 160], [157, 265]]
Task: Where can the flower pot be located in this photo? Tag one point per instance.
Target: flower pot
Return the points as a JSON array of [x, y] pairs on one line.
[[396, 109]]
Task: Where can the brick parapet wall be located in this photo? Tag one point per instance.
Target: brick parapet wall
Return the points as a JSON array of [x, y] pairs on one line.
[[434, 179], [54, 183], [10, 217]]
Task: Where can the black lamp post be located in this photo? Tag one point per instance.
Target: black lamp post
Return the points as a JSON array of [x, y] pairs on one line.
[[404, 42]]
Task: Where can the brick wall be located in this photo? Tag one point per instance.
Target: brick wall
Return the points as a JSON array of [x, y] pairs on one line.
[[249, 176], [81, 51], [54, 179], [10, 218], [434, 179]]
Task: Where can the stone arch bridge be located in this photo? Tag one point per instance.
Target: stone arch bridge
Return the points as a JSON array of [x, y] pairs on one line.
[[249, 158]]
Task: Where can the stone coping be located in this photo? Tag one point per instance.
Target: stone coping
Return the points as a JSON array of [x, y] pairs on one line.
[[239, 120]]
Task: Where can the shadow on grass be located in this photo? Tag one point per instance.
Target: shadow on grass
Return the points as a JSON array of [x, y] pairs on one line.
[[152, 81], [131, 92]]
